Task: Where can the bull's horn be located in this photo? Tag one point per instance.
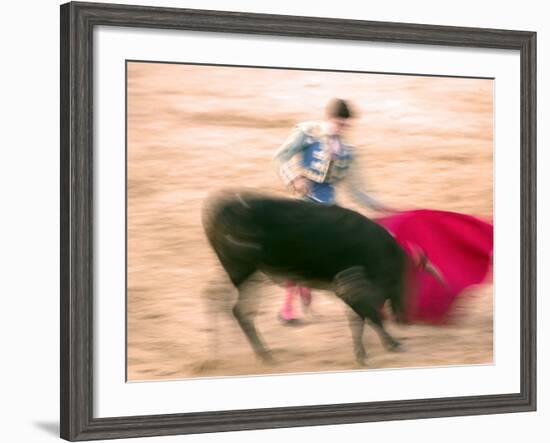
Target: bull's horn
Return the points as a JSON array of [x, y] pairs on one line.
[[429, 267]]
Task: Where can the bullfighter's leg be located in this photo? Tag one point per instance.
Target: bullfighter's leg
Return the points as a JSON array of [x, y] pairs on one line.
[[305, 295], [244, 315], [287, 314]]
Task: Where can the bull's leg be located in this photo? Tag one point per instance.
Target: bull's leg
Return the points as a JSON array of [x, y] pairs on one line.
[[239, 273], [389, 342], [364, 298], [352, 286], [244, 315], [357, 326], [375, 320]]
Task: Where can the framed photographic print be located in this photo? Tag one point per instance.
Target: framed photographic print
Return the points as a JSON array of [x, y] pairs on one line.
[[272, 221]]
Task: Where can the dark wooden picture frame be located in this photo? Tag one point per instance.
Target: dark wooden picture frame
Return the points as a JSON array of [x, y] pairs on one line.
[[77, 24]]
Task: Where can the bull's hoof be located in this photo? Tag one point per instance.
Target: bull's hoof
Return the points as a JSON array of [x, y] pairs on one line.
[[361, 359], [266, 358], [396, 347]]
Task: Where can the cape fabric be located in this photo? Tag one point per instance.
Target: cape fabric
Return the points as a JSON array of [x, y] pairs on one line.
[[459, 246]]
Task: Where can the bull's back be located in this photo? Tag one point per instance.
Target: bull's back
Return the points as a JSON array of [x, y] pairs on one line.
[[298, 238], [323, 234]]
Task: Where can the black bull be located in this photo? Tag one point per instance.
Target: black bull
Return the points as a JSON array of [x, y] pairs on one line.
[[320, 246]]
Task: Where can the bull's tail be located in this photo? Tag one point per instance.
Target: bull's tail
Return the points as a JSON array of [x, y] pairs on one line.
[[226, 220], [212, 208], [234, 235]]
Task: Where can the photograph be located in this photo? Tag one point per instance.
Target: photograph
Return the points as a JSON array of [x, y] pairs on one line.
[[285, 221]]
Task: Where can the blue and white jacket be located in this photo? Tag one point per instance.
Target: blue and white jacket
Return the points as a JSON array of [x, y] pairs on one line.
[[306, 153]]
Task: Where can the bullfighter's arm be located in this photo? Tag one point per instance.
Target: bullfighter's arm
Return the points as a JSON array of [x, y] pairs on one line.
[[288, 159], [356, 186]]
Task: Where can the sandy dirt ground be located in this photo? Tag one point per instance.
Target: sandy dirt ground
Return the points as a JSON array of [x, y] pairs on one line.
[[421, 142]]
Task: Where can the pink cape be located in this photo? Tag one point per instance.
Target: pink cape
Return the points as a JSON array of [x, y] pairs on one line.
[[459, 246]]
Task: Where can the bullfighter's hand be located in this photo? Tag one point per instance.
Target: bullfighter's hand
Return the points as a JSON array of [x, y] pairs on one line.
[[301, 185]]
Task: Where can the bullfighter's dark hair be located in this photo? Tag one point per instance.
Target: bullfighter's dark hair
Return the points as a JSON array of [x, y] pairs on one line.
[[338, 108]]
